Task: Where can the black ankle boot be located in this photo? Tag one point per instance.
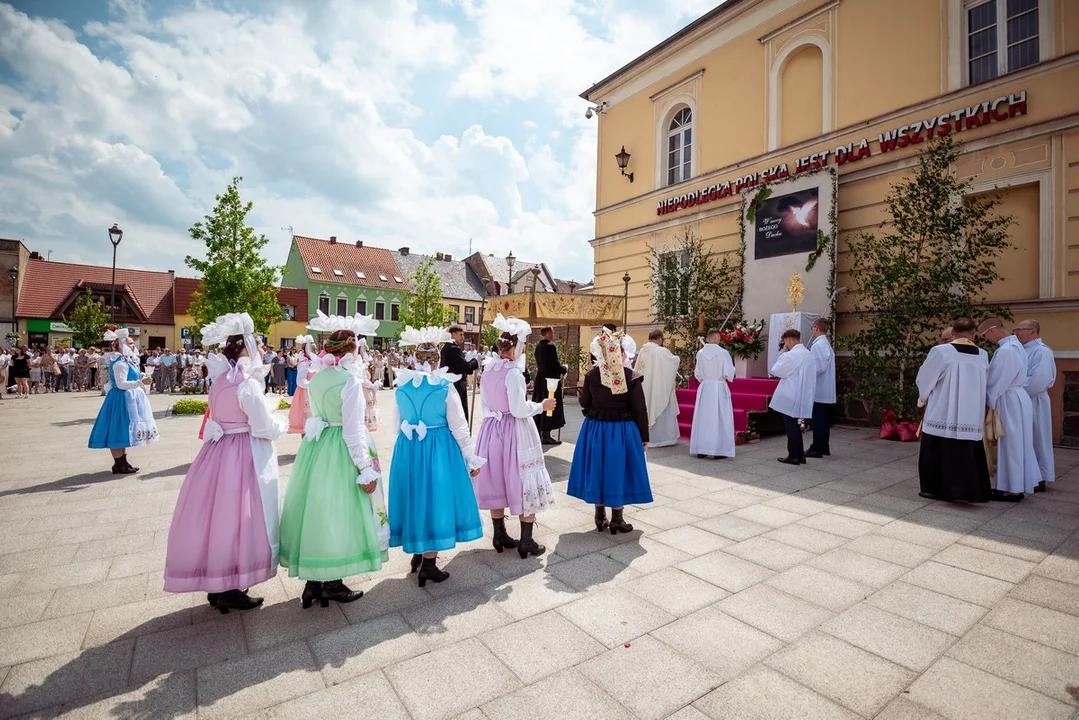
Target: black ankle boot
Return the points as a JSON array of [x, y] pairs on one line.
[[339, 592], [416, 560], [502, 538], [528, 545], [618, 524], [120, 466], [430, 571], [601, 518], [312, 591], [128, 467], [212, 599], [236, 600]]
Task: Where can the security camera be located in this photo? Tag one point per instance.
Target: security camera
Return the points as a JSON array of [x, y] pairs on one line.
[[588, 114]]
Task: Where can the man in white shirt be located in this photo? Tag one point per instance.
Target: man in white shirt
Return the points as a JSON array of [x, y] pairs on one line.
[[65, 361], [1041, 375], [713, 414], [1005, 392], [951, 387], [824, 393], [794, 397], [659, 366]]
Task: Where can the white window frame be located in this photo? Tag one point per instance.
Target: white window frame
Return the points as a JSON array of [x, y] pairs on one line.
[[326, 297], [360, 275], [668, 133], [380, 304], [316, 269], [342, 299], [395, 309], [360, 311], [959, 41]]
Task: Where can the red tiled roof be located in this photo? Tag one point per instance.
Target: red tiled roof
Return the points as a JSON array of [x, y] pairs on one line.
[[296, 297], [348, 258], [48, 285]]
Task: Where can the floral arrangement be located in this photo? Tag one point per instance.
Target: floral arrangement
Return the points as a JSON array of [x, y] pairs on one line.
[[13, 339], [744, 340], [824, 244], [795, 290]]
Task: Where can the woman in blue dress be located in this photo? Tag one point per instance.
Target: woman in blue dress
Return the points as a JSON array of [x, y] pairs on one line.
[[432, 505], [125, 419], [608, 462]]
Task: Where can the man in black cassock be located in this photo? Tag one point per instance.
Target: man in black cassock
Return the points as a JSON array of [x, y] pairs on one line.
[[452, 358], [548, 366]]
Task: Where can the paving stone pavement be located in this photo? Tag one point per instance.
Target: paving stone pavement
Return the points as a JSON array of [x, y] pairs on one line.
[[749, 590]]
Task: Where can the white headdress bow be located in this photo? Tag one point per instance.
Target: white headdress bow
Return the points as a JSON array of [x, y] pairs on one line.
[[226, 326], [520, 329], [358, 325], [113, 335], [430, 336]]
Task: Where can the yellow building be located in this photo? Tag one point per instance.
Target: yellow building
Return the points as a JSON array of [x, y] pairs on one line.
[[293, 303], [764, 89]]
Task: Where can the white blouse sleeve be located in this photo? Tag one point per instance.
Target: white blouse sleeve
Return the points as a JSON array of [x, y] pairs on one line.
[[929, 374], [516, 386], [122, 383], [264, 424], [728, 368], [353, 429], [1041, 372], [455, 417], [301, 374]]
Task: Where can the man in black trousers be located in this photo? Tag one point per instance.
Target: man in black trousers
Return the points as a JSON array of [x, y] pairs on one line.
[[452, 358], [548, 366]]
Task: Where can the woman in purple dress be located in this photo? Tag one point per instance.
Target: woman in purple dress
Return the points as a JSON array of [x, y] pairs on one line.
[[515, 475]]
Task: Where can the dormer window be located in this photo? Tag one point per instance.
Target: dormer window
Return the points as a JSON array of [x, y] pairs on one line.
[[360, 275], [397, 279], [338, 273], [382, 277], [316, 269]]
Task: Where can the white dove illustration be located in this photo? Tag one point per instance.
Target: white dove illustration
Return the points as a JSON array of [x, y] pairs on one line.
[[802, 213]]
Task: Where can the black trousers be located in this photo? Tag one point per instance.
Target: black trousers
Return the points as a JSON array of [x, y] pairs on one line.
[[822, 426], [795, 447]]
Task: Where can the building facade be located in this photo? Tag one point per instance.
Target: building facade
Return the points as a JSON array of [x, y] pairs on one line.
[[342, 278], [761, 90], [293, 322], [462, 290]]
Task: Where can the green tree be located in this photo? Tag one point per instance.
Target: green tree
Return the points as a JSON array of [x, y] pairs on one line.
[[687, 282], [422, 304], [235, 275], [933, 261], [87, 320], [490, 334]]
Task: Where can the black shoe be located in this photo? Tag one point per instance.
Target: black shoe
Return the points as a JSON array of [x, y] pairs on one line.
[[814, 454], [130, 468], [502, 539], [236, 600], [312, 591], [701, 456], [120, 466], [1040, 487], [339, 592], [790, 461], [212, 599], [601, 518], [618, 523], [1001, 496], [415, 563], [528, 545], [430, 571], [546, 439]]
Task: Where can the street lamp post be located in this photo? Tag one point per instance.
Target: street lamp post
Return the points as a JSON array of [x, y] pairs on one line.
[[115, 236], [509, 261], [625, 299], [14, 273]]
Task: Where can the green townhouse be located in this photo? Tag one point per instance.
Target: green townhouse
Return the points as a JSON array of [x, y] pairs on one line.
[[347, 278]]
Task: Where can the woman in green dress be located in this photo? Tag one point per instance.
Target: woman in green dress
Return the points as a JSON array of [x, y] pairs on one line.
[[334, 520]]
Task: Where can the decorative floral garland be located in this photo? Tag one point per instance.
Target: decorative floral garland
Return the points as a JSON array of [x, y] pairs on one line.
[[824, 243]]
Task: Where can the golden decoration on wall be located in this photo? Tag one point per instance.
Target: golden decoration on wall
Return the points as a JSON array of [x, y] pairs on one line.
[[795, 290]]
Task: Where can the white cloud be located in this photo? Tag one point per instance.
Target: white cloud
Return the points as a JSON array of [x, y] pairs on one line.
[[326, 109]]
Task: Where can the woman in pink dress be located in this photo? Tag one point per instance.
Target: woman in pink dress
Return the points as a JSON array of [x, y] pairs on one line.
[[305, 370], [515, 475], [224, 533]]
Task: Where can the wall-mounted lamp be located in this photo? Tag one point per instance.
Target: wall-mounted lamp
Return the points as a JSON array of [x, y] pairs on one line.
[[596, 110], [623, 162]]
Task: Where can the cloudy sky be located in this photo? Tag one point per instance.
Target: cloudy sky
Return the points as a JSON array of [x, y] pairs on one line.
[[400, 122]]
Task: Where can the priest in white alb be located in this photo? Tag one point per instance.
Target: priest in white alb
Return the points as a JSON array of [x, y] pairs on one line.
[[1005, 392], [713, 414], [660, 369], [793, 399], [951, 388], [1041, 375]]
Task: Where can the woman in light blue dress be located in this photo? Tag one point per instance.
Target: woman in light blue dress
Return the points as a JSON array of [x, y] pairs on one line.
[[125, 419], [432, 505]]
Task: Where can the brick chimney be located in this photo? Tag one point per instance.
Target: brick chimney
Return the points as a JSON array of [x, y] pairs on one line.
[[359, 243], [333, 239], [447, 257], [403, 251]]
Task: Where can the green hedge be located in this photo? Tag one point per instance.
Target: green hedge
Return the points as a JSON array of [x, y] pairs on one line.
[[189, 407]]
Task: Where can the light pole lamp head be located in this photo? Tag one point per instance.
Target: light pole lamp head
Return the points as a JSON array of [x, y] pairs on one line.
[[622, 158], [510, 260], [626, 278], [115, 234]]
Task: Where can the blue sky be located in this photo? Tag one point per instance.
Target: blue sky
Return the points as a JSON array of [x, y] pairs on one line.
[[400, 122]]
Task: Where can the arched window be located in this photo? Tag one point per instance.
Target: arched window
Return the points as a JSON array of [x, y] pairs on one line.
[[680, 147]]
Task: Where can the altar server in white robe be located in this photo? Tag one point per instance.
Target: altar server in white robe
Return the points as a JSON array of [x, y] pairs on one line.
[[1041, 375], [824, 395], [951, 387], [713, 414], [660, 369], [793, 399], [1005, 392]]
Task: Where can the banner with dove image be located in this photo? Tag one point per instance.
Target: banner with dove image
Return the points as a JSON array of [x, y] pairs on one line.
[[787, 224]]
